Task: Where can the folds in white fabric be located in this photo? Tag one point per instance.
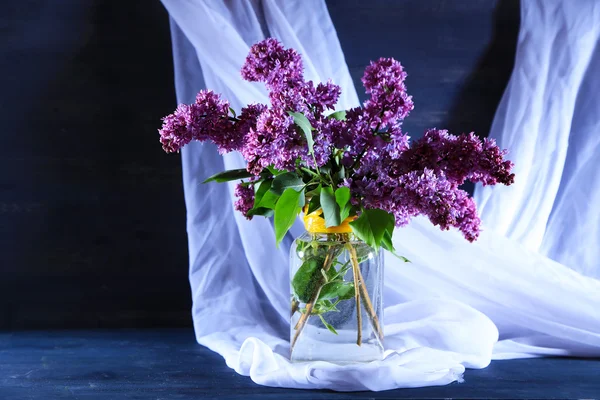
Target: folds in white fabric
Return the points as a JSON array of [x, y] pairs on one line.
[[446, 309], [549, 119]]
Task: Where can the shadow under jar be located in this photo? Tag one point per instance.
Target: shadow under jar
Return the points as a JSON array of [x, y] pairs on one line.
[[336, 296]]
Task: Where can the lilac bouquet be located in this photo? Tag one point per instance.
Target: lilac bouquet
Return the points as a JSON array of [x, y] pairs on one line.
[[350, 171], [353, 163]]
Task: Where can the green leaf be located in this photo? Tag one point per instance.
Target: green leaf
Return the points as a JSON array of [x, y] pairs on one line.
[[310, 172], [342, 198], [232, 112], [263, 188], [325, 169], [286, 210], [313, 205], [264, 200], [339, 115], [337, 289], [331, 211], [332, 274], [301, 200], [371, 226], [386, 242], [230, 175], [347, 292], [261, 211], [341, 174], [316, 192], [324, 306], [269, 200], [338, 275], [285, 181], [304, 124], [338, 157], [274, 171], [327, 325], [307, 278]]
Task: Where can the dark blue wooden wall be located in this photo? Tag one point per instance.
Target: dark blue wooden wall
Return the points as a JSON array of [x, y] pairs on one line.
[[92, 219], [458, 54]]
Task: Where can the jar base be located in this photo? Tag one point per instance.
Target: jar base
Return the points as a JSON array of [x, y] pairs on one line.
[[322, 345]]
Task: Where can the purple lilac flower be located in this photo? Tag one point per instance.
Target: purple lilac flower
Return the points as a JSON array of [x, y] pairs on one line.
[[338, 131], [174, 133], [234, 138], [444, 204], [282, 71], [275, 141], [208, 115], [389, 103], [290, 93], [424, 179], [206, 119], [420, 193], [383, 171], [398, 143], [325, 133], [245, 199], [322, 97], [359, 126], [269, 62], [460, 158], [492, 167]]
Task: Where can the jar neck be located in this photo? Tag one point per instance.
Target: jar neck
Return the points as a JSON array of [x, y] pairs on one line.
[[332, 237]]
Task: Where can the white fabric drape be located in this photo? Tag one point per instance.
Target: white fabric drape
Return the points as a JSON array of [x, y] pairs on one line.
[[549, 117], [444, 311]]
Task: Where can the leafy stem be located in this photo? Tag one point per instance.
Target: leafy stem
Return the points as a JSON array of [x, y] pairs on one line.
[[357, 283], [329, 259], [342, 271], [364, 294], [310, 172], [327, 325]]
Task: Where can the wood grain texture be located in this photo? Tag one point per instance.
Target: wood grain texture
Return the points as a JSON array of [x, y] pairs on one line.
[[458, 54], [92, 218], [168, 364]]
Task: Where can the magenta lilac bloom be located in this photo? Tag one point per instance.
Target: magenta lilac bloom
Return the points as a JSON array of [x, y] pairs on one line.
[[434, 196], [206, 119], [389, 102], [175, 133], [245, 199], [366, 151], [235, 136], [275, 141], [460, 158], [268, 61]]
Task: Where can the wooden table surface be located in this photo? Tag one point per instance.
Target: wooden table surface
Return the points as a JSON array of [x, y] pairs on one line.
[[168, 364]]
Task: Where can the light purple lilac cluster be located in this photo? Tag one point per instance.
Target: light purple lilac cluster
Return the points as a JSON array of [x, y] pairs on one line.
[[275, 140], [381, 169], [245, 198], [426, 177]]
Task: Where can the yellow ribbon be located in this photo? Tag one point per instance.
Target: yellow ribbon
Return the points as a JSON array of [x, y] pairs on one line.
[[313, 223]]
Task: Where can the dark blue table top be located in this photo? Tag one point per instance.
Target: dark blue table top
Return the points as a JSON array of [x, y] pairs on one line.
[[168, 364]]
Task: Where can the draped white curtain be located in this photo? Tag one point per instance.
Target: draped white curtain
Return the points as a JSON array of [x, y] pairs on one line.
[[456, 305], [549, 117]]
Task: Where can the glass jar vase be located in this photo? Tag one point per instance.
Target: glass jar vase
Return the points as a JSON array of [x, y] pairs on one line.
[[336, 296]]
